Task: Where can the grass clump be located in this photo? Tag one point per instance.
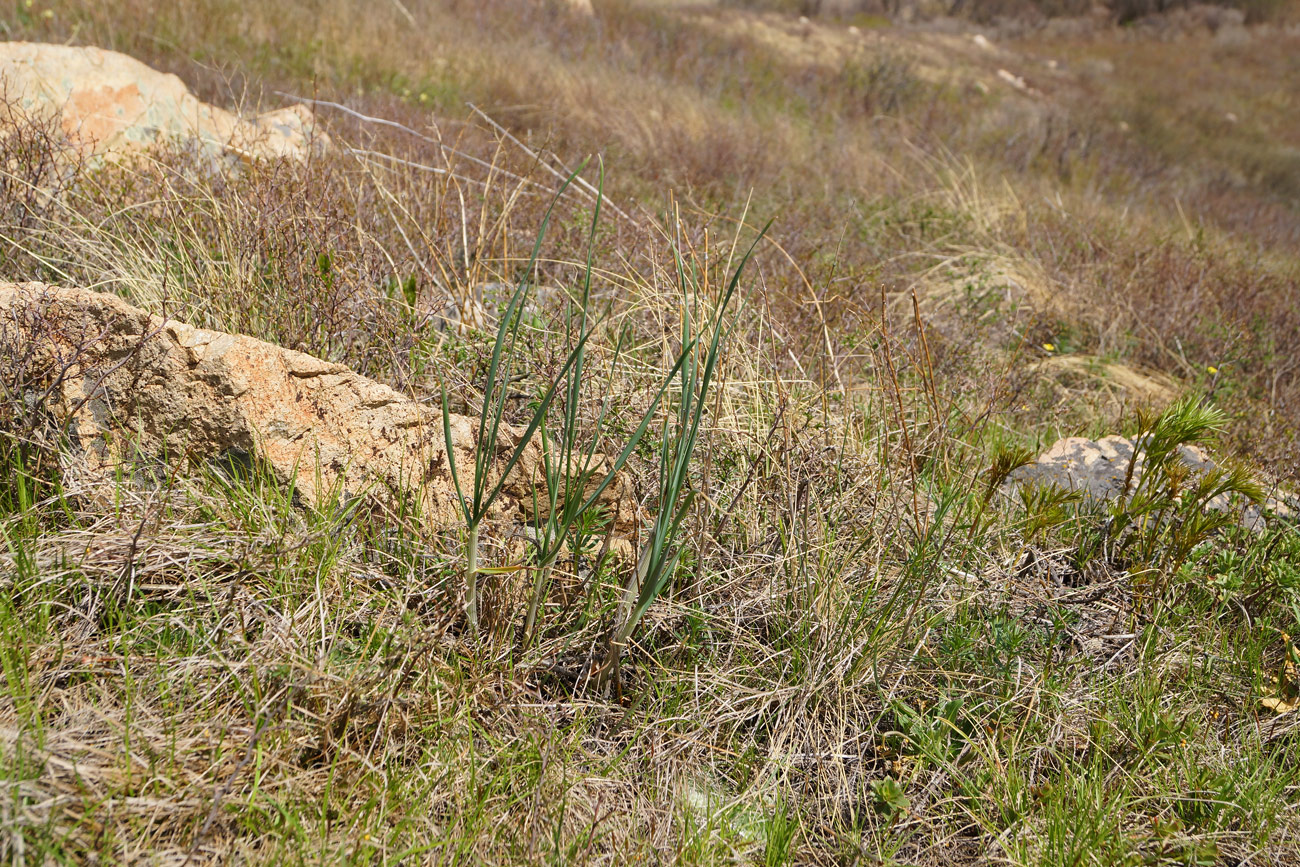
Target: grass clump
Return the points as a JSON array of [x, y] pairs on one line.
[[695, 369], [487, 484]]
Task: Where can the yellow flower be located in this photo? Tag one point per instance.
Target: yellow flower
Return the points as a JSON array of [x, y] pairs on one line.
[[1211, 369], [1050, 347], [28, 4], [47, 14], [424, 97]]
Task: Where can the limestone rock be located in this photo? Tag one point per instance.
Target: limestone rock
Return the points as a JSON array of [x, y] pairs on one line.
[[180, 395], [1098, 469], [109, 104]]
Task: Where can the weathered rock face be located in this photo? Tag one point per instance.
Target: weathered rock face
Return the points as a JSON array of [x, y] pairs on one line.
[[1100, 468], [179, 395], [109, 103], [1097, 469]]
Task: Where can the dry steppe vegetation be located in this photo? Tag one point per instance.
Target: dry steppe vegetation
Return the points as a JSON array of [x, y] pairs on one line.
[[865, 652]]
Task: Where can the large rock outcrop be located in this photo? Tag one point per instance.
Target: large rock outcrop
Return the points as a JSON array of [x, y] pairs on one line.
[[109, 104], [129, 386]]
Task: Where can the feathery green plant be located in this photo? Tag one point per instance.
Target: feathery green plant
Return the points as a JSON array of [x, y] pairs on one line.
[[1168, 510], [1046, 507]]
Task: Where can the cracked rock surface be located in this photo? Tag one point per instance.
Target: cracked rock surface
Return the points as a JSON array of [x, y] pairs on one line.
[[109, 103], [1099, 468], [111, 374]]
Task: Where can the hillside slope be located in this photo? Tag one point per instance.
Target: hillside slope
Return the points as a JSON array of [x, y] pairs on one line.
[[867, 639]]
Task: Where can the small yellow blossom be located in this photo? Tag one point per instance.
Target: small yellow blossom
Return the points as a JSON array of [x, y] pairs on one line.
[[1050, 347], [424, 97], [1211, 369], [47, 14]]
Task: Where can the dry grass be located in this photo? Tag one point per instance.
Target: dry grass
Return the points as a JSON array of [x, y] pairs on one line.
[[866, 656]]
